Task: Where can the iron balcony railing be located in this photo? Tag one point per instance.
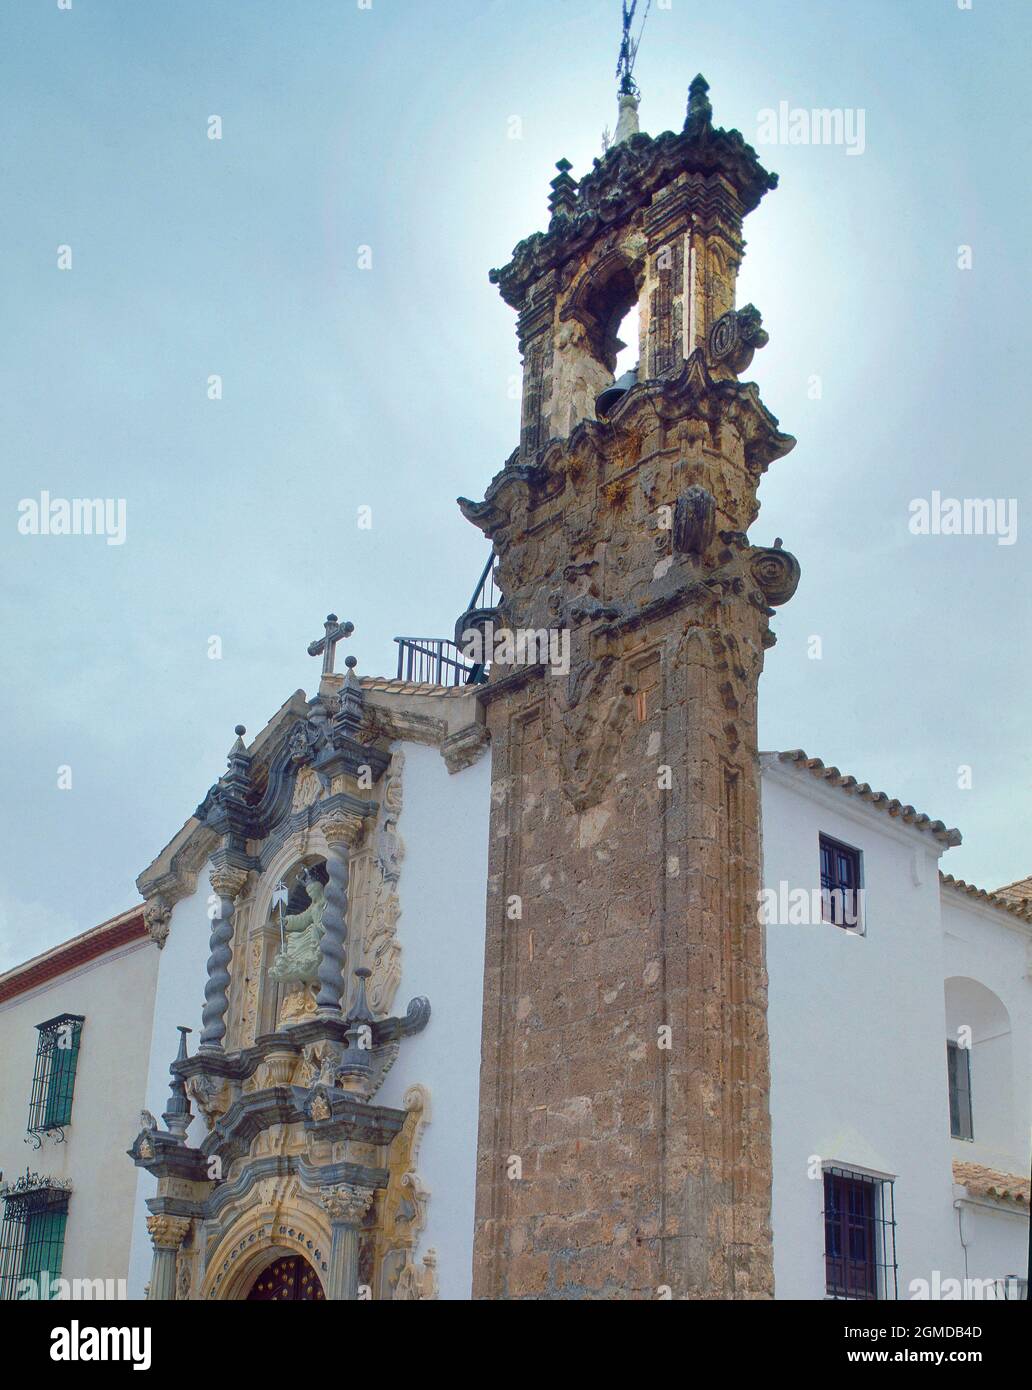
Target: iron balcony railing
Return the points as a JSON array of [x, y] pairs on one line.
[[440, 660], [434, 661]]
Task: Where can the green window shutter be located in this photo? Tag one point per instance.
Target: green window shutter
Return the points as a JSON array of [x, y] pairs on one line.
[[44, 1245], [61, 1082]]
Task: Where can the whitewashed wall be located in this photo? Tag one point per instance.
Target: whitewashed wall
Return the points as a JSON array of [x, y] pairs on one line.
[[857, 1035], [178, 999], [115, 993], [443, 887], [987, 963]]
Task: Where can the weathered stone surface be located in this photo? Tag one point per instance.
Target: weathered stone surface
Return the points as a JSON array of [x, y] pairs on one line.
[[624, 1127]]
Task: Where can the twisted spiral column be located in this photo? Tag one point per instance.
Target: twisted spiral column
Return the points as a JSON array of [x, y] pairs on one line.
[[343, 832], [226, 884]]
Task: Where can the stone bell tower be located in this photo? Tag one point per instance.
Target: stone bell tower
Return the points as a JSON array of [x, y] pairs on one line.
[[624, 1143]]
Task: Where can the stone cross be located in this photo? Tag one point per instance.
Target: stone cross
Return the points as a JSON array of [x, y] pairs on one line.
[[326, 644]]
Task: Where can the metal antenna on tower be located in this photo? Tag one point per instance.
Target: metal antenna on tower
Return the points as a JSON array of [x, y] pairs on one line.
[[629, 46]]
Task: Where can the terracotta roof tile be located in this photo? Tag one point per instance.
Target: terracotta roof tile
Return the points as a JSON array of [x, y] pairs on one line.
[[852, 787], [987, 1182], [1015, 906]]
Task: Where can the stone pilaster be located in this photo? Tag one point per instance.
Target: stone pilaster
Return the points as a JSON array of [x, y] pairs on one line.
[[226, 883], [167, 1234], [346, 1204], [343, 832]]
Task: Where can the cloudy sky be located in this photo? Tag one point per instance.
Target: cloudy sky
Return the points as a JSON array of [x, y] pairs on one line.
[[390, 126]]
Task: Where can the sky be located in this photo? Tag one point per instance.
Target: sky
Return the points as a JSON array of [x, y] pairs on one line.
[[427, 132]]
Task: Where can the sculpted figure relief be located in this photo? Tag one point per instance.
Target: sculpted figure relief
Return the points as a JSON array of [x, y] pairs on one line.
[[297, 964]]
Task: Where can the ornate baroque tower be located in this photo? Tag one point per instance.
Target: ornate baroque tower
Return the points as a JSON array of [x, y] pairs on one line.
[[624, 1127]]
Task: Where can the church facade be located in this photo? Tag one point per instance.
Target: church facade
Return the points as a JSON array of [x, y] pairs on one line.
[[539, 980]]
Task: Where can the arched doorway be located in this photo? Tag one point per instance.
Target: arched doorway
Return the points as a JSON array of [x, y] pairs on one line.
[[289, 1278]]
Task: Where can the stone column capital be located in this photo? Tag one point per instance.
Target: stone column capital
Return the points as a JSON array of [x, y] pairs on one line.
[[347, 1202], [342, 828], [167, 1232], [226, 880]]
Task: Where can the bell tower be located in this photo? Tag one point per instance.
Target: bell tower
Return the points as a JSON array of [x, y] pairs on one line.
[[624, 1145]]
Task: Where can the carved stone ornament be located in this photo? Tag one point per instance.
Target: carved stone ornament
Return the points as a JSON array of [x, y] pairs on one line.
[[735, 337], [586, 734], [227, 881], [695, 521], [157, 918], [347, 1202], [417, 1282], [776, 571], [211, 1095], [340, 828], [168, 1232]]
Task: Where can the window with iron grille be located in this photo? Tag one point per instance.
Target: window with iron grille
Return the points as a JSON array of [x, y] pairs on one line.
[[859, 1236], [841, 896], [958, 1068], [32, 1236], [53, 1083]]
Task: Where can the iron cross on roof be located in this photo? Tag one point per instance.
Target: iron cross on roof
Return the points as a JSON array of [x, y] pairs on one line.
[[326, 644]]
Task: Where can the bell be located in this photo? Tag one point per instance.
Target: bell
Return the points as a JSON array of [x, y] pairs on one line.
[[606, 399]]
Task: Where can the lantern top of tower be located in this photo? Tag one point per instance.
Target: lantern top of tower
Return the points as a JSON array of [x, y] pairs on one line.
[[626, 177]]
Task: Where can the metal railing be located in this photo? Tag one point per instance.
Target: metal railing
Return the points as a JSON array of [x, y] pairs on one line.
[[486, 594], [434, 661], [439, 660]]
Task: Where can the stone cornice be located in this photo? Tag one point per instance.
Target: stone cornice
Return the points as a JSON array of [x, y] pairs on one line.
[[693, 394]]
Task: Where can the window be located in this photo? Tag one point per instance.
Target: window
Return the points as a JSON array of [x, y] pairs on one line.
[[841, 892], [859, 1236], [958, 1067], [32, 1236], [53, 1084]]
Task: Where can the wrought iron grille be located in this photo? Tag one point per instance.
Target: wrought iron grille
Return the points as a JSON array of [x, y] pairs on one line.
[[859, 1236], [53, 1082], [32, 1234]]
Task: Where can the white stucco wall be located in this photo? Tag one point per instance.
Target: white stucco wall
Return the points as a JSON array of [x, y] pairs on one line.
[[989, 950], [857, 1035], [115, 993], [443, 887], [178, 999]]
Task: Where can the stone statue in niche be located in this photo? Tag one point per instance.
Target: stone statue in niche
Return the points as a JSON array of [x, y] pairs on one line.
[[297, 963]]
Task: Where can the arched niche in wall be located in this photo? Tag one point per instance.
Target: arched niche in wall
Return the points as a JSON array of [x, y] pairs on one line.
[[976, 1015]]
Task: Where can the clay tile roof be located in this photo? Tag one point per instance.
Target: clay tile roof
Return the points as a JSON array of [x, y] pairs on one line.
[[69, 955], [852, 787], [987, 1182], [1018, 892], [398, 687], [1017, 907]]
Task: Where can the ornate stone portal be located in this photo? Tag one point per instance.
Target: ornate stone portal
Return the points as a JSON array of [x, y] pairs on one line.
[[298, 1162], [624, 1129]]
